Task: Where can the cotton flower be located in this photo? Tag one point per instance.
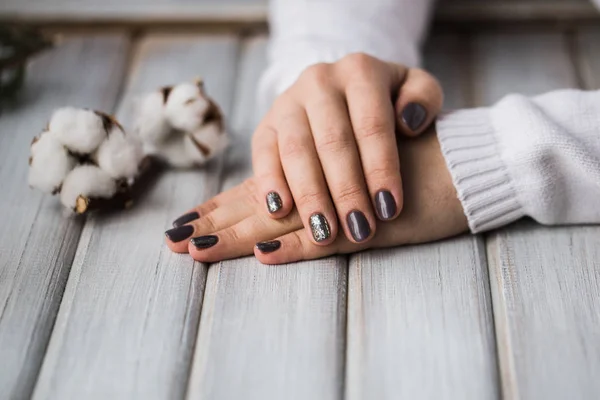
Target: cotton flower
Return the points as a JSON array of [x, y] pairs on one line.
[[120, 154], [85, 183], [186, 106], [81, 131], [196, 131], [50, 163]]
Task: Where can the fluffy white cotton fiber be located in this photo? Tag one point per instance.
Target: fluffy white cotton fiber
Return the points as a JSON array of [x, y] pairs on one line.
[[50, 163], [120, 154], [150, 122], [186, 107], [81, 131], [87, 181]]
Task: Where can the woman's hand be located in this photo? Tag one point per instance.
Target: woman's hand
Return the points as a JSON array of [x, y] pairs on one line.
[[328, 145], [234, 221]]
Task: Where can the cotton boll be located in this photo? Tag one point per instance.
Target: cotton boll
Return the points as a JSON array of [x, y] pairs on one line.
[[120, 154], [186, 107], [50, 163], [151, 123], [89, 182], [211, 137], [81, 131], [179, 151]]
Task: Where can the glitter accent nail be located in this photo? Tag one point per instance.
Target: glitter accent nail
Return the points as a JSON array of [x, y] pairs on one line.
[[274, 203], [319, 227]]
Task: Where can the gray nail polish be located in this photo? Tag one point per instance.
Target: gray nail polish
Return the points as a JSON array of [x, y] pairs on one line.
[[185, 218], [268, 247], [204, 242], [385, 204], [274, 202], [319, 227], [180, 233], [414, 115], [359, 226]]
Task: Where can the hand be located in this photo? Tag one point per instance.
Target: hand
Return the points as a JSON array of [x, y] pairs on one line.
[[328, 145], [234, 221]]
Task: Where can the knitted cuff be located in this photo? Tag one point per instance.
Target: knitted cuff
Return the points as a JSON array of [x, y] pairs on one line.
[[484, 186]]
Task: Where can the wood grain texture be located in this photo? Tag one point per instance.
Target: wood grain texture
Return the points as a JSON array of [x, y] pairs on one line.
[[545, 281], [546, 288], [268, 332], [588, 46], [37, 241], [529, 64], [128, 320], [419, 317]]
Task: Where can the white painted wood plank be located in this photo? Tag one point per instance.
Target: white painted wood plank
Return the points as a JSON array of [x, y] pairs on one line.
[[268, 332], [588, 42], [546, 288], [529, 64], [419, 317], [128, 320], [37, 242], [545, 281]]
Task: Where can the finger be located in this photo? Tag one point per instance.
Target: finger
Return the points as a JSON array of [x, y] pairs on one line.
[[238, 240], [295, 246], [373, 121], [222, 210], [218, 219], [338, 155], [305, 177], [269, 173], [420, 100], [232, 194]]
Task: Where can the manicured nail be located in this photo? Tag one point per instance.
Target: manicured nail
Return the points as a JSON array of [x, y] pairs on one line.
[[359, 226], [204, 242], [414, 116], [385, 204], [319, 227], [268, 247], [180, 233], [185, 218], [274, 202]]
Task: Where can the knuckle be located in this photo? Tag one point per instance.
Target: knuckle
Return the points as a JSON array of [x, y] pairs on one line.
[[334, 139], [232, 235], [372, 127], [291, 147], [348, 192], [383, 173], [316, 74], [307, 198], [209, 223], [249, 185], [359, 65]]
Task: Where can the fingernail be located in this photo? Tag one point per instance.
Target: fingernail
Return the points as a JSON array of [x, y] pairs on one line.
[[359, 226], [414, 115], [385, 204], [180, 233], [274, 202], [268, 247], [319, 227], [204, 242], [185, 218]]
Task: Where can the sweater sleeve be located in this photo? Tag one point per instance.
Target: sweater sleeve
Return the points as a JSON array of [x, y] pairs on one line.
[[536, 157], [306, 32]]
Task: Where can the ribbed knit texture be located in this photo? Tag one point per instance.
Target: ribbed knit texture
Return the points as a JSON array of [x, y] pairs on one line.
[[538, 157], [480, 177]]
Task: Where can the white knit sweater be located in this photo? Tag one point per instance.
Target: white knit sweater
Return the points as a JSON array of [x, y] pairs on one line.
[[537, 157]]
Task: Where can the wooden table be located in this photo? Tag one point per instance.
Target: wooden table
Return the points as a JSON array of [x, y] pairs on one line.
[[101, 309]]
